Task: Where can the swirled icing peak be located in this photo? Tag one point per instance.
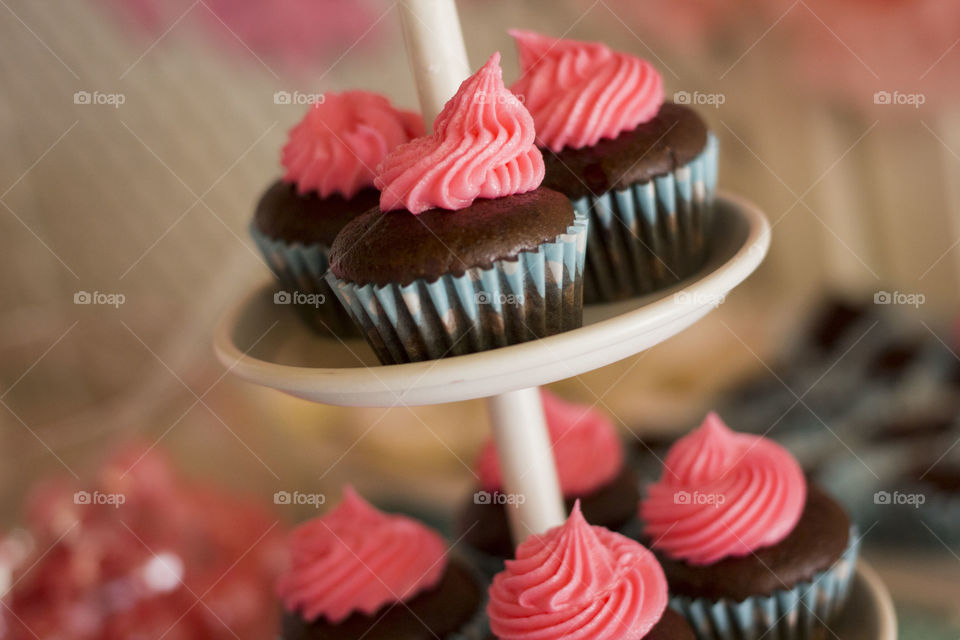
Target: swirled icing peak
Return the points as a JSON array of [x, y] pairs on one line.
[[586, 447], [580, 92], [339, 143], [578, 582], [482, 147], [723, 494], [357, 559]]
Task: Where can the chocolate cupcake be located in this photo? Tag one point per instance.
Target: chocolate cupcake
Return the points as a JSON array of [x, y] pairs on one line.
[[583, 582], [359, 573], [591, 468], [644, 171], [466, 253], [749, 550], [329, 160]]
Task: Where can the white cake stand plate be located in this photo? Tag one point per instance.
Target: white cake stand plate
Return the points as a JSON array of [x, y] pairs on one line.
[[266, 343]]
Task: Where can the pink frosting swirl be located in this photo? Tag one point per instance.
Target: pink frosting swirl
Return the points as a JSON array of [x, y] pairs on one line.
[[586, 447], [580, 92], [482, 147], [339, 143], [723, 494], [578, 582], [357, 558]]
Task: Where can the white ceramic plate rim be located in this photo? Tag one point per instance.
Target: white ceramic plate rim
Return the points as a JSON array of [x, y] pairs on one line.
[[508, 368]]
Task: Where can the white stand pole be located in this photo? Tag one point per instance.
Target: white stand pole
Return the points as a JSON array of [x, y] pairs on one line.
[[436, 51], [526, 461], [438, 59]]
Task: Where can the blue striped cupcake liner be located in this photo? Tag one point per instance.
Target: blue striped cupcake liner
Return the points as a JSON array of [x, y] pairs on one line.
[[300, 269], [800, 613], [651, 234], [537, 294]]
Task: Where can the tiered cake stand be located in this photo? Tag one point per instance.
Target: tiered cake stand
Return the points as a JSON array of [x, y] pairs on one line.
[[267, 344]]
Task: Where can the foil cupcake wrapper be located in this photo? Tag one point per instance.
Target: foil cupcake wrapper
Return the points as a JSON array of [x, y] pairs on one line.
[[478, 628], [536, 295], [300, 271], [800, 613], [650, 235]]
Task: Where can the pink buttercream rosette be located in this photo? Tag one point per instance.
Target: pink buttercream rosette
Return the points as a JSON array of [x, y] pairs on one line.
[[578, 582]]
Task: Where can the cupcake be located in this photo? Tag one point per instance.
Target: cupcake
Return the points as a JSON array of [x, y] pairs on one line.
[[642, 169], [466, 252], [748, 548], [329, 163], [583, 582], [590, 464], [359, 573]]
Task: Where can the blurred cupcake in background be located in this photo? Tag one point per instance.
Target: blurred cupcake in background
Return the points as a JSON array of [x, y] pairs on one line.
[[643, 170], [129, 554], [329, 161], [748, 548], [467, 252], [357, 572], [583, 582], [591, 467]]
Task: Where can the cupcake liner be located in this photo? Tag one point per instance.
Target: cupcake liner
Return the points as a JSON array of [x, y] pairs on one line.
[[478, 627], [800, 613], [650, 235], [540, 293], [300, 269]]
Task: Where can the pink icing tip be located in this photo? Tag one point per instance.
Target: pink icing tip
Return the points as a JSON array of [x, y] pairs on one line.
[[578, 582], [337, 146], [586, 447], [357, 559], [581, 92], [482, 147], [723, 494]]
